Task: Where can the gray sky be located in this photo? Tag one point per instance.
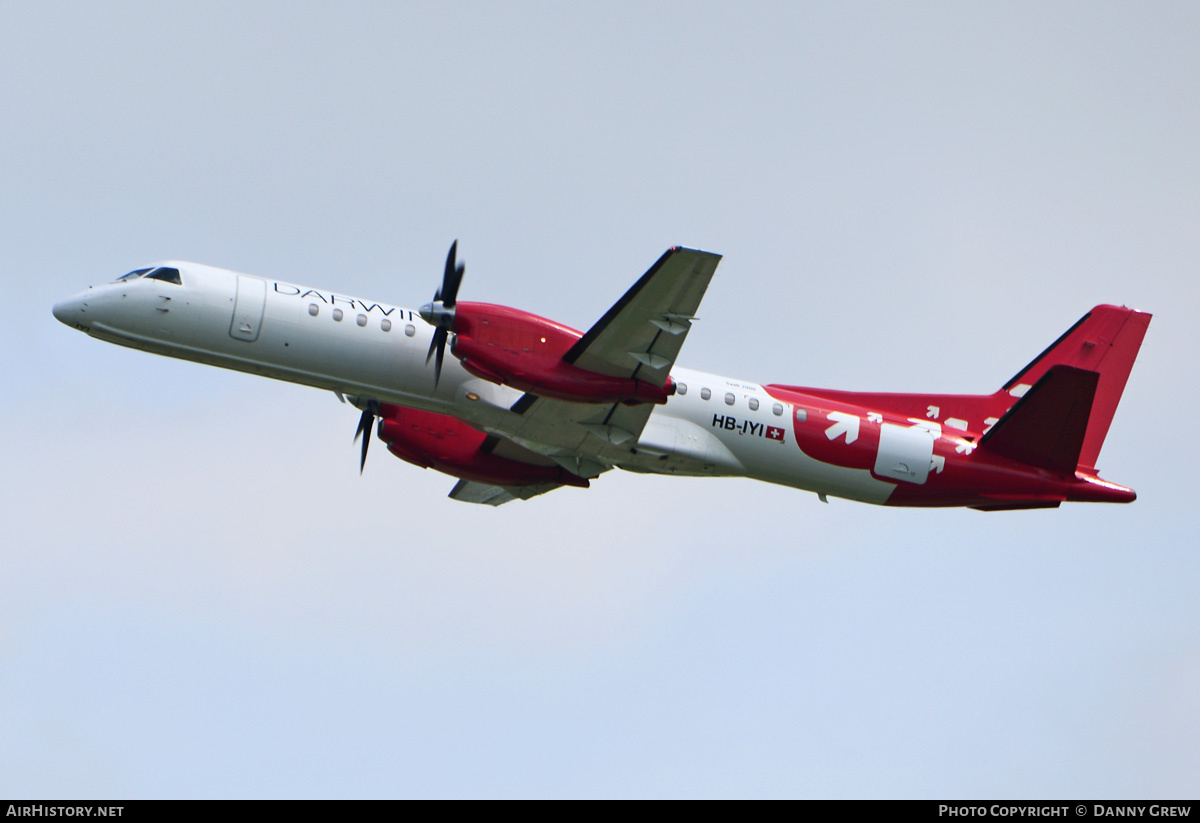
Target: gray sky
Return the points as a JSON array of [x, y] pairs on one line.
[[199, 596]]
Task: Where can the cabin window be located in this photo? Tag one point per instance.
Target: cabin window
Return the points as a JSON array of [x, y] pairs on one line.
[[681, 388], [385, 324], [705, 394], [729, 398], [753, 404], [166, 274], [801, 415], [410, 330], [314, 309], [777, 409], [361, 320], [337, 315]]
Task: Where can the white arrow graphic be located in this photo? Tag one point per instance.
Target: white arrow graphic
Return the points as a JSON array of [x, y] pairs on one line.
[[843, 423], [874, 417], [937, 463]]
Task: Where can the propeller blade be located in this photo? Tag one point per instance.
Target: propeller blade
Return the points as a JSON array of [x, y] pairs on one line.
[[434, 344], [448, 274], [438, 345], [451, 278], [437, 364], [440, 313], [364, 430], [450, 261]]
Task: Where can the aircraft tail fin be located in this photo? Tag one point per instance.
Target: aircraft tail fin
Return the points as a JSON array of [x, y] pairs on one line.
[[1105, 343], [1048, 425], [1061, 426]]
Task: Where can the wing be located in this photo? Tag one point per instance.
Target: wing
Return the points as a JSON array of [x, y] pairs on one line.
[[641, 335], [579, 431], [469, 491]]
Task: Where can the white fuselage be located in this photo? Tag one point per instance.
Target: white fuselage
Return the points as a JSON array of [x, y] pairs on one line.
[[374, 351]]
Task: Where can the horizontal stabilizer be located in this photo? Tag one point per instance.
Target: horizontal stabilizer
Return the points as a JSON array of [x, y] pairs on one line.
[[1017, 505], [1046, 427]]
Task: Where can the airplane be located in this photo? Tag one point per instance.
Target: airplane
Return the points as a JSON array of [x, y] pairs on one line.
[[526, 405]]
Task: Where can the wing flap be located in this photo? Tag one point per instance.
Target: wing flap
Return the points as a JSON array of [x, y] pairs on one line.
[[609, 432], [468, 491]]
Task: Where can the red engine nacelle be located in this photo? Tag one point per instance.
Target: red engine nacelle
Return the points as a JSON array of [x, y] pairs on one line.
[[437, 441], [519, 349]]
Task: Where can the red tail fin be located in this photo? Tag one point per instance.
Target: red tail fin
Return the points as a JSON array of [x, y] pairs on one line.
[[1047, 427], [1106, 341]]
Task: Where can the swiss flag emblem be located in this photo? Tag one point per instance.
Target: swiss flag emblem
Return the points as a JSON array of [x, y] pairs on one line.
[[774, 433]]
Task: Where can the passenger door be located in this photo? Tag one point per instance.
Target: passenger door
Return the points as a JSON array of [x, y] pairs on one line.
[[248, 308]]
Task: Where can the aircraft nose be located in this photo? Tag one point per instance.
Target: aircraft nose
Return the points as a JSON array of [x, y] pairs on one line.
[[72, 310]]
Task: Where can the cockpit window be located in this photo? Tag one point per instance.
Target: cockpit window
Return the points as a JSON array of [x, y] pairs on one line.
[[163, 273], [133, 275]]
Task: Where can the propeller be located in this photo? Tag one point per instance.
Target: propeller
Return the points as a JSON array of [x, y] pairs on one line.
[[440, 313], [365, 424]]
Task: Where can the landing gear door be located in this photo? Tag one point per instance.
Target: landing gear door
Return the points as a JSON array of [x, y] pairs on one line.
[[248, 308], [904, 453]]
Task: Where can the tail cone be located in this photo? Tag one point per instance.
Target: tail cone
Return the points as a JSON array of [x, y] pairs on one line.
[[1088, 488]]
